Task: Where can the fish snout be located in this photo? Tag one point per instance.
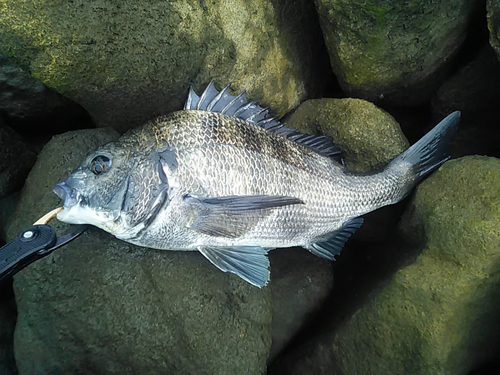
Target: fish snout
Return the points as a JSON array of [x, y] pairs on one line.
[[68, 195]]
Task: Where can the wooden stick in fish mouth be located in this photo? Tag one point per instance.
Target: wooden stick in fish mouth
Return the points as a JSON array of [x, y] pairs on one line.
[[48, 216]]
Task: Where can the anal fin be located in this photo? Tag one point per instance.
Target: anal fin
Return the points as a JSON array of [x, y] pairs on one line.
[[333, 244], [248, 262]]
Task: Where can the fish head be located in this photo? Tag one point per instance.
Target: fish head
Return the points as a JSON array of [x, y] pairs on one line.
[[95, 191]]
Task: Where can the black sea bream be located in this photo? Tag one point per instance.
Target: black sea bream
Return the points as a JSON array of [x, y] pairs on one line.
[[224, 178]]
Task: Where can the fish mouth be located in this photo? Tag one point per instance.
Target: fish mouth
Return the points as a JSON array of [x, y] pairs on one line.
[[68, 195]]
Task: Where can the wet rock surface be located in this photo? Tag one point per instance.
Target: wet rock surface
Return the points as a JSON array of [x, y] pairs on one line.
[[437, 315], [7, 207], [133, 61]]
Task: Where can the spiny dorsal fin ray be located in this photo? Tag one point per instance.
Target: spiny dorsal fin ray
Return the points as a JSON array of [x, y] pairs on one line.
[[238, 106]]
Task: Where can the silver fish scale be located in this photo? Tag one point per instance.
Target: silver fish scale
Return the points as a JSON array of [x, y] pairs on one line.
[[219, 156]]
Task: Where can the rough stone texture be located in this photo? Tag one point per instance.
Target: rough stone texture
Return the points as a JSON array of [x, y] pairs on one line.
[[473, 90], [130, 61], [369, 138], [493, 17], [31, 107], [395, 52], [300, 283], [16, 160], [440, 314], [100, 305]]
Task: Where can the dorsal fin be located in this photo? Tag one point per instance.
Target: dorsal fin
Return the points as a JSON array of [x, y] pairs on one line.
[[238, 106]]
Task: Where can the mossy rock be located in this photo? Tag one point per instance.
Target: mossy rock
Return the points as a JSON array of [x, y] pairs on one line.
[[396, 52], [129, 61]]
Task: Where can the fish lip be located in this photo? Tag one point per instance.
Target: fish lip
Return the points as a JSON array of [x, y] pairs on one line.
[[68, 195]]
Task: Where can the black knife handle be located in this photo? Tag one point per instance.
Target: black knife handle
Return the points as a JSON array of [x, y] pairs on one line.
[[31, 244]]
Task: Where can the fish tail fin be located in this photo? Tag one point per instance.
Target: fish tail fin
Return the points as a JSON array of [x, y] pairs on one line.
[[432, 149], [411, 166]]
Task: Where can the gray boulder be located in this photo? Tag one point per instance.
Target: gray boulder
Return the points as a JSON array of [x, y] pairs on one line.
[[131, 61], [395, 52], [100, 305], [438, 315], [473, 89]]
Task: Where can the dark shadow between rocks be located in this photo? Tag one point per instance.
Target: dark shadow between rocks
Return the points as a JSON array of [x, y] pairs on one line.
[[329, 86], [8, 316]]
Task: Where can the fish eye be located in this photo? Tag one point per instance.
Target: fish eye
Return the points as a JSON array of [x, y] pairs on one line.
[[100, 164]]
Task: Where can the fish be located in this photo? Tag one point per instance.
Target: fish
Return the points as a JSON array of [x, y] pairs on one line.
[[225, 178]]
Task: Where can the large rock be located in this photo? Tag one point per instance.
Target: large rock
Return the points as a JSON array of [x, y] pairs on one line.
[[396, 52], [100, 305], [369, 138], [440, 314], [130, 61]]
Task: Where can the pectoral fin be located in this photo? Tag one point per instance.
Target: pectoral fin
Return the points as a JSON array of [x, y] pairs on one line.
[[232, 216], [248, 262], [332, 245]]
